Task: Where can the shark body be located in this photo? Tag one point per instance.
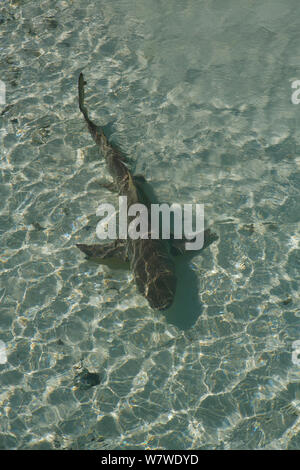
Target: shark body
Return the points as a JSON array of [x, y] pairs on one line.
[[149, 259]]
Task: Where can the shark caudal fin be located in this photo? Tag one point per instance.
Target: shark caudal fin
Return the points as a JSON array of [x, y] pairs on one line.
[[96, 133], [81, 84], [113, 156], [177, 247]]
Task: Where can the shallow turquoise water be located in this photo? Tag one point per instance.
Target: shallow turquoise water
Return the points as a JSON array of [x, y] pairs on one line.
[[198, 94]]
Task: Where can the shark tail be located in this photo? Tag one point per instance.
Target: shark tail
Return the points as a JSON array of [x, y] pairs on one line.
[[96, 133], [81, 84], [114, 157]]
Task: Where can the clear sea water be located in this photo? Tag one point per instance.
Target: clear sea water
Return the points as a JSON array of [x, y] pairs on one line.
[[198, 94]]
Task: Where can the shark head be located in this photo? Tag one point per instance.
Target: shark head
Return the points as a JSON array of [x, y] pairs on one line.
[[160, 292], [154, 273]]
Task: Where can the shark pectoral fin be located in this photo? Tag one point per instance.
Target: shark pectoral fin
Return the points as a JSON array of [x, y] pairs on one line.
[[109, 185], [113, 254], [178, 246], [209, 238]]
